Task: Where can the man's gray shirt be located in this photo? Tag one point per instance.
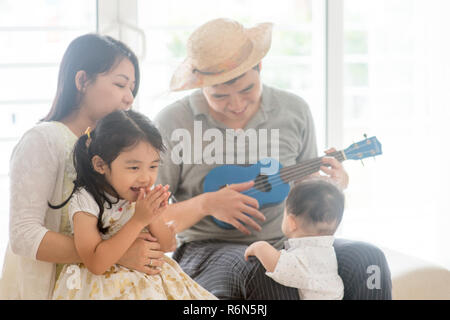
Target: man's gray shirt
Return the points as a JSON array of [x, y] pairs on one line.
[[283, 118]]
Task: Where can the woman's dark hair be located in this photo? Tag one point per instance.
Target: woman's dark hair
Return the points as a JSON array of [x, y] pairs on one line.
[[316, 201], [94, 54], [114, 133]]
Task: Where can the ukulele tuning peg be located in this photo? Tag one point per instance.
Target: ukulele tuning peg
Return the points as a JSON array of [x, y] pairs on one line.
[[365, 135], [362, 163]]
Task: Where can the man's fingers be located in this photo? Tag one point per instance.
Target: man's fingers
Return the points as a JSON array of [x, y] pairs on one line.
[[238, 225], [329, 160], [253, 212], [249, 222], [250, 201], [242, 186], [331, 150], [327, 170]]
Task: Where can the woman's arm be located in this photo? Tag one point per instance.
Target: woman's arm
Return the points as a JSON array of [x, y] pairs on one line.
[[57, 248], [98, 255], [33, 173]]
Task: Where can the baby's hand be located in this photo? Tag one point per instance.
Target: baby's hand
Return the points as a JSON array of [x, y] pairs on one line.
[[151, 203], [251, 250], [265, 253]]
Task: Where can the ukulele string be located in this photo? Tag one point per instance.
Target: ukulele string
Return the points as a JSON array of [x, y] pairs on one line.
[[288, 174], [304, 167], [294, 173]]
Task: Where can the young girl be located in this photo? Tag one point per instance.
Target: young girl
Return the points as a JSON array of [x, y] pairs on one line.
[[97, 75], [314, 209], [112, 202]]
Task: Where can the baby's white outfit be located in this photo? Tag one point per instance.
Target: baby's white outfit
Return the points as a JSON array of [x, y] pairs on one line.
[[310, 265]]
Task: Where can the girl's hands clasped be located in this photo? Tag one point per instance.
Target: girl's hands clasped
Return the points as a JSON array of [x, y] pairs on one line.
[[150, 204]]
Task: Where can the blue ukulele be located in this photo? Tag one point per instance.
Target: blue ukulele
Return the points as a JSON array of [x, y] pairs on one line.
[[273, 188]]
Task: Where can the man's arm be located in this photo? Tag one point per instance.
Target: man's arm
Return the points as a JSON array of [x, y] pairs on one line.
[[228, 205], [186, 213]]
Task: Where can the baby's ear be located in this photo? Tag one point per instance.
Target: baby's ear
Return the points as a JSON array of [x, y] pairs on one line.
[[98, 164], [292, 222]]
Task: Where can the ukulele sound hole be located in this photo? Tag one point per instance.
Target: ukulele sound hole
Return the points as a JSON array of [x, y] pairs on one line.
[[262, 184]]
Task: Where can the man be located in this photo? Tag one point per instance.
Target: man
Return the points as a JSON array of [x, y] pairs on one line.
[[209, 128]]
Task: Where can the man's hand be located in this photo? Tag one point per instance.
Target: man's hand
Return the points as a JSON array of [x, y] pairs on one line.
[[231, 206], [337, 172], [143, 252]]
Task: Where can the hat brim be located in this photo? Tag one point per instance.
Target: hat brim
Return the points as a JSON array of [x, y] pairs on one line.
[[184, 78]]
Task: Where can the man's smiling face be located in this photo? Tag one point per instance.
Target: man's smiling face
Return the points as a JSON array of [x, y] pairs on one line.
[[235, 104]]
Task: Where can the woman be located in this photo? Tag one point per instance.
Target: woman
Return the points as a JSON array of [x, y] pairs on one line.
[[97, 76]]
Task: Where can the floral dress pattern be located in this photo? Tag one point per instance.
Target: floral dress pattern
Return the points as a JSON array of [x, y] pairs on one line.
[[77, 282]]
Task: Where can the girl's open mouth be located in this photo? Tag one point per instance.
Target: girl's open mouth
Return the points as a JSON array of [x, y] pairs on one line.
[[136, 189]]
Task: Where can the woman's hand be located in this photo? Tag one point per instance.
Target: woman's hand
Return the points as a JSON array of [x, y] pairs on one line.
[[144, 255], [231, 206], [336, 172]]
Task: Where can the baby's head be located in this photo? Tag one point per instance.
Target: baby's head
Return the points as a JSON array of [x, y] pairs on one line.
[[313, 208]]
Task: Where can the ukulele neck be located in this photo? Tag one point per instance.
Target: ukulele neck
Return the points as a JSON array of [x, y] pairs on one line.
[[298, 171]]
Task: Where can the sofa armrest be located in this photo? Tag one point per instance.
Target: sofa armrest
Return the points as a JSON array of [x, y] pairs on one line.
[[417, 279]]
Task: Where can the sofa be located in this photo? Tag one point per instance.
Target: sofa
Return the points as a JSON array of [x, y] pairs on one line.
[[417, 279]]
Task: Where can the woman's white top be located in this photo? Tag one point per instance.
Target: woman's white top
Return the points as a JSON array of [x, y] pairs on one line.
[[41, 171], [310, 265]]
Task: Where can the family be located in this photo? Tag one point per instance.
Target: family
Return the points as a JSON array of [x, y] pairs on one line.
[[96, 200]]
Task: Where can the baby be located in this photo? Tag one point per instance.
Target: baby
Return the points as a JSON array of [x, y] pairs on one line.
[[314, 209]]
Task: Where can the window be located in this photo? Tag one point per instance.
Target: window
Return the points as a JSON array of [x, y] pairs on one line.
[[295, 61], [33, 42], [396, 80]]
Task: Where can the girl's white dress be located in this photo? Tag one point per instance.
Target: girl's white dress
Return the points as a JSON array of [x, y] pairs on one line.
[[77, 282]]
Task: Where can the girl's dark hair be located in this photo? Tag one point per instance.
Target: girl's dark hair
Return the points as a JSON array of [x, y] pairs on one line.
[[316, 201], [94, 54], [114, 133]]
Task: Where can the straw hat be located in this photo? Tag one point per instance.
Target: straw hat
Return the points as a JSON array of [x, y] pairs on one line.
[[221, 50]]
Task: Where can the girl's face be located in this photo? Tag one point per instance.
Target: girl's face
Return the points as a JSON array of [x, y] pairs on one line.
[[109, 91], [134, 168]]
